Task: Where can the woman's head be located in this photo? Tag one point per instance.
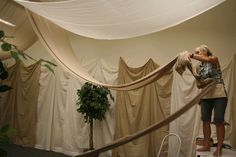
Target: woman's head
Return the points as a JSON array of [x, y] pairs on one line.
[[203, 50]]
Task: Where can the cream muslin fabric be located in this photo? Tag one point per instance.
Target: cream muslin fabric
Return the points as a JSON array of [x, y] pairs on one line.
[[60, 127], [229, 77], [185, 94], [18, 107], [153, 127], [106, 19], [233, 107], [56, 42], [140, 108]]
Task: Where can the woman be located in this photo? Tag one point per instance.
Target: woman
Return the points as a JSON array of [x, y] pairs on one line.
[[216, 99]]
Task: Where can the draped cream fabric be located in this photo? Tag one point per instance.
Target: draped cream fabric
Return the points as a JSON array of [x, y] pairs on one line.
[[184, 92], [56, 42], [184, 125], [106, 19], [233, 107], [69, 126], [229, 77], [18, 107], [60, 127], [138, 109], [153, 127]]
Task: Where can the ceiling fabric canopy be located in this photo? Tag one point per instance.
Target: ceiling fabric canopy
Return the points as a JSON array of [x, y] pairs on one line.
[[55, 40], [118, 19]]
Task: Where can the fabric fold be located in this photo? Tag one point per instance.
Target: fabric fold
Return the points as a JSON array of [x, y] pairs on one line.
[[140, 108], [158, 125], [19, 105], [104, 19], [62, 52]]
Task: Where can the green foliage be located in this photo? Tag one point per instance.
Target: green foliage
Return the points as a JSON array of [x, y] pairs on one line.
[[93, 101], [48, 62], [15, 52], [5, 133], [4, 88], [15, 55], [3, 76], [49, 67], [2, 34], [6, 46]]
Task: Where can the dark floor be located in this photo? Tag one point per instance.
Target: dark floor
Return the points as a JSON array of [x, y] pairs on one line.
[[19, 151]]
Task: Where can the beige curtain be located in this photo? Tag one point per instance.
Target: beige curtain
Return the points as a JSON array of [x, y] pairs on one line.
[[233, 108], [18, 107], [138, 109]]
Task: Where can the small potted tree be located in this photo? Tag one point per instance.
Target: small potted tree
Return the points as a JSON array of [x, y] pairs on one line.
[[93, 102]]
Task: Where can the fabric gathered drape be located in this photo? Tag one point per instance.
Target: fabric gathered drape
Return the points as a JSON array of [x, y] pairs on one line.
[[65, 131], [233, 105], [18, 107], [138, 109], [229, 77], [60, 128], [105, 19], [63, 53]]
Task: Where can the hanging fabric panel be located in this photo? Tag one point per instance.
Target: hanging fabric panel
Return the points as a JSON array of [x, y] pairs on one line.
[[138, 109], [18, 107], [120, 19], [57, 43]]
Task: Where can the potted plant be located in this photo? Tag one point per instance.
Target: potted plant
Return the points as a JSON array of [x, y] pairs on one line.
[[93, 103]]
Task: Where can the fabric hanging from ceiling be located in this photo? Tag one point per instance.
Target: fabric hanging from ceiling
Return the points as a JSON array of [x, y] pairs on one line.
[[151, 128], [57, 43], [189, 125], [138, 109], [18, 107], [23, 32], [233, 106], [57, 99], [105, 19], [71, 128], [60, 127]]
